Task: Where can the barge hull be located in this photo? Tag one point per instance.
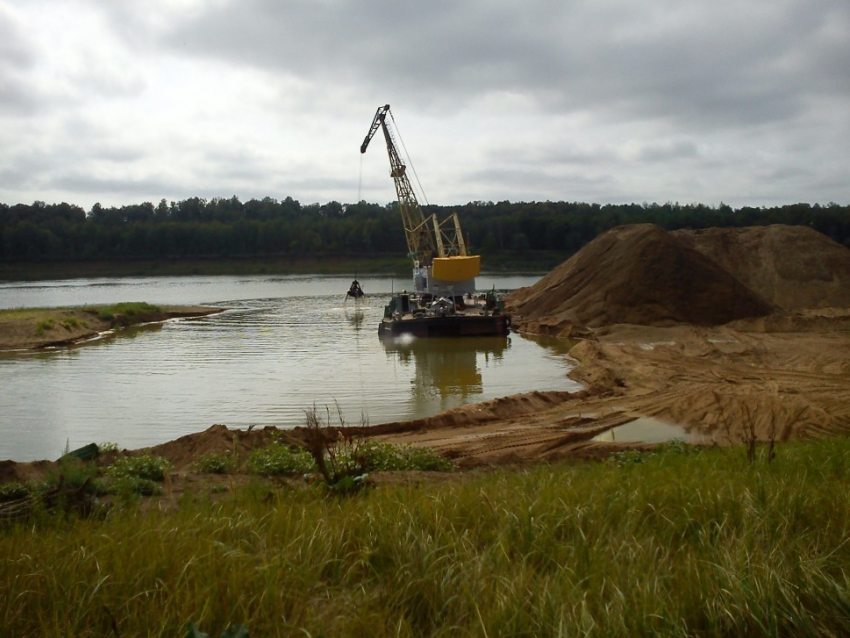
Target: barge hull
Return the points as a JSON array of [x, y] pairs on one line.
[[448, 326]]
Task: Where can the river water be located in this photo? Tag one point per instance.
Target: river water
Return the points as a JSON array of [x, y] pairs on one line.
[[284, 344]]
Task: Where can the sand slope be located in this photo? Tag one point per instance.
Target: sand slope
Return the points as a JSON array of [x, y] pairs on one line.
[[793, 267], [637, 274]]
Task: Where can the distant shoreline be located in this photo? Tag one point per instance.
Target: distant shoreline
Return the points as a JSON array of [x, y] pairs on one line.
[[276, 265]]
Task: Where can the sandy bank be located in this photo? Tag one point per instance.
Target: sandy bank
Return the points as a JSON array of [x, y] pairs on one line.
[[39, 328]]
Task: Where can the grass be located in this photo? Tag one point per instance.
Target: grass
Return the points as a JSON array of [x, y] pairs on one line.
[[43, 320], [683, 543], [43, 326], [127, 312]]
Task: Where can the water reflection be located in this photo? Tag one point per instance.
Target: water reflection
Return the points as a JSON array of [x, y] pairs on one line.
[[355, 318], [445, 368]]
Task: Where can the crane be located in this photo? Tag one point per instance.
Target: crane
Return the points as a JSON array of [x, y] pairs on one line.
[[441, 264]]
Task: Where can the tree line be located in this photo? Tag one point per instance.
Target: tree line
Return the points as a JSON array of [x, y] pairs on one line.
[[222, 227]]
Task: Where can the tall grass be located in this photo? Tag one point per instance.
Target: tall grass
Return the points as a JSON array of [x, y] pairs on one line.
[[683, 543]]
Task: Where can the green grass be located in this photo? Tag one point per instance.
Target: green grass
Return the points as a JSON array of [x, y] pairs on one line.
[[128, 311], [683, 543], [215, 463], [43, 326]]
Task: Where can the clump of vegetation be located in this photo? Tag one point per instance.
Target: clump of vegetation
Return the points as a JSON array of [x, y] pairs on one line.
[[146, 466], [107, 447], [72, 472], [135, 474], [70, 323], [344, 459], [670, 448], [386, 457], [341, 458], [43, 326], [13, 491], [215, 463], [128, 312], [277, 459]]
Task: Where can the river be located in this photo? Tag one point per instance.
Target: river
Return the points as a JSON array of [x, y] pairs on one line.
[[284, 344]]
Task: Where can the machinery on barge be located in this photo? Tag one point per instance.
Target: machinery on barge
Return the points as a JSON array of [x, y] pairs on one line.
[[443, 301]]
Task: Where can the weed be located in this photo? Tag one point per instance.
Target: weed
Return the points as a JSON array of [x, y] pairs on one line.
[[13, 491], [339, 455], [344, 459], [385, 457], [43, 326], [127, 485], [128, 312], [71, 472], [144, 466], [277, 459], [214, 463]]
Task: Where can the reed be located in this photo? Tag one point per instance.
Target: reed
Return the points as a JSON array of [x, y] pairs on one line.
[[683, 543]]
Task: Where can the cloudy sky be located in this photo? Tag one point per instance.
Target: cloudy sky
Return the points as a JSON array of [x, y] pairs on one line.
[[745, 102]]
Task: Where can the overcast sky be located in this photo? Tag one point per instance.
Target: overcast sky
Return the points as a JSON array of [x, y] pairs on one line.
[[745, 102]]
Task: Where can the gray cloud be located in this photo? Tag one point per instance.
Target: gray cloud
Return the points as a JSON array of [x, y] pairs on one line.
[[17, 56], [734, 100]]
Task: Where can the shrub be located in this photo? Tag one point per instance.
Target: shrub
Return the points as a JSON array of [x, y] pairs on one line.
[[344, 459], [387, 457], [145, 466], [71, 472], [278, 459], [214, 463], [124, 485], [43, 326], [13, 491]]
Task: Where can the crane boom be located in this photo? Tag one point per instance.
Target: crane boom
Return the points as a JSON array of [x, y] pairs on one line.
[[420, 238], [430, 243]]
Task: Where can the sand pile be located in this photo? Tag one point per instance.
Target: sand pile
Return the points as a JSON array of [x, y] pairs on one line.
[[793, 267], [636, 274]]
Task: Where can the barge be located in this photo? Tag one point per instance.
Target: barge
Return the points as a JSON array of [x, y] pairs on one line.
[[443, 302], [444, 317]]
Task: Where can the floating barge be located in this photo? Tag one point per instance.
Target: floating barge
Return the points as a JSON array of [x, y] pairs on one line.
[[444, 317], [443, 302]]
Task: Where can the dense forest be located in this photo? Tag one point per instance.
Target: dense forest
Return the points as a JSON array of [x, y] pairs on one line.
[[230, 228]]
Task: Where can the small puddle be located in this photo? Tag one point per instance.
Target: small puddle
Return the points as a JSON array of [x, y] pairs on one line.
[[644, 430]]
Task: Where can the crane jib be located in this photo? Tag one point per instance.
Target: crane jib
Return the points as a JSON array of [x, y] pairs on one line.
[[429, 241]]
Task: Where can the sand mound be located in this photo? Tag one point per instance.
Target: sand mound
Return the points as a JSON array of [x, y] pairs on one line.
[[636, 274], [793, 267]]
